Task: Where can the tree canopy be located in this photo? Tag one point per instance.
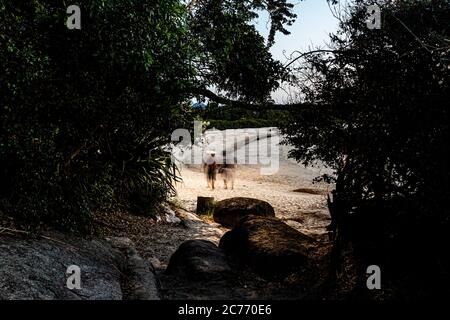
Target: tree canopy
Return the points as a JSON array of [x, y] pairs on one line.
[[87, 114], [385, 132]]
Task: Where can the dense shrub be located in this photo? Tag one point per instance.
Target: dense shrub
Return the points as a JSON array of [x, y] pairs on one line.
[[382, 122], [86, 115]]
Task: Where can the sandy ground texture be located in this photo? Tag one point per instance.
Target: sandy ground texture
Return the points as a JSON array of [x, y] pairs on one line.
[[290, 190], [305, 211]]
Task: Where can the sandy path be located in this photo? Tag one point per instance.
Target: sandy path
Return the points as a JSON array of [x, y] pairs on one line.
[[158, 241], [304, 211]]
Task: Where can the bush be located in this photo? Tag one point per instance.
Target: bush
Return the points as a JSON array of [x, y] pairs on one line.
[[86, 116], [382, 122]]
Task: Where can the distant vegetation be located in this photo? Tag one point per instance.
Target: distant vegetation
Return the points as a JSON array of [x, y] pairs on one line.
[[223, 117]]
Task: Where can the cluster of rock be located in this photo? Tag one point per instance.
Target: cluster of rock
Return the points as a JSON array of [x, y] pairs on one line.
[[257, 238], [258, 246], [258, 242]]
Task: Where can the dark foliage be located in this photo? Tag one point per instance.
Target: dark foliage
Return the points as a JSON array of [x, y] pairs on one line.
[[232, 54], [86, 115], [385, 131], [223, 117]]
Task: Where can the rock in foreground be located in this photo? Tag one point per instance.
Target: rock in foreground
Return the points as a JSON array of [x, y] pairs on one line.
[[269, 246], [198, 259], [199, 270], [36, 269], [229, 212]]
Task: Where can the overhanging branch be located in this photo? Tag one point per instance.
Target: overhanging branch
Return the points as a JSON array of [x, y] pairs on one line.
[[301, 55], [251, 106]]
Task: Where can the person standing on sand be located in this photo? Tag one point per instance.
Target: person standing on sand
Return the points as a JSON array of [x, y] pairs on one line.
[[210, 167], [227, 172]]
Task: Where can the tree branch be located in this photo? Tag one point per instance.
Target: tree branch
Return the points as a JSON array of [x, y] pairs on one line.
[[251, 106], [307, 53]]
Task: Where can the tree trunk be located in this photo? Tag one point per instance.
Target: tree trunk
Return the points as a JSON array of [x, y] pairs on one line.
[[205, 205]]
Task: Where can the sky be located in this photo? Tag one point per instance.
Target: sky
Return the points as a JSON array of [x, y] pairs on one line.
[[311, 29]]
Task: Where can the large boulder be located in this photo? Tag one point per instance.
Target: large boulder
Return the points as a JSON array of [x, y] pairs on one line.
[[269, 246], [229, 212], [198, 259], [35, 269]]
